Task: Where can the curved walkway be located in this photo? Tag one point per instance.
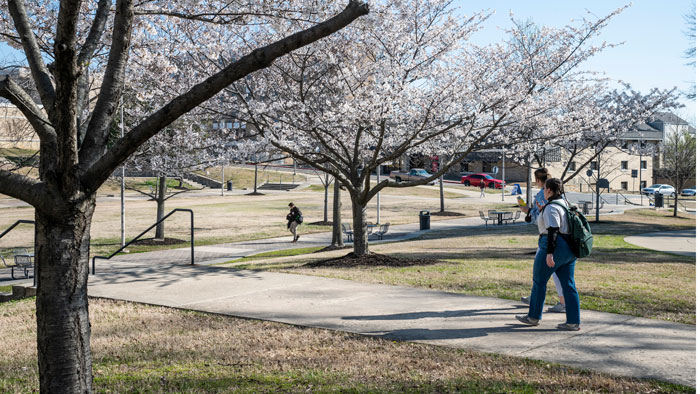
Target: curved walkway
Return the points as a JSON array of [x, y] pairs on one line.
[[680, 242], [611, 343]]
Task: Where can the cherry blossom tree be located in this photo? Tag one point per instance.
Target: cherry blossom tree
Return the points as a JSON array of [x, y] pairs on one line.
[[406, 80], [81, 55]]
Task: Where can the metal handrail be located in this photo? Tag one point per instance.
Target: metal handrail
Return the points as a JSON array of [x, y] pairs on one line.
[[15, 224], [149, 229], [627, 200]]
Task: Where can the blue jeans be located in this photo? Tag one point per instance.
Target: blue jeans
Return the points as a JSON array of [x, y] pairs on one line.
[[564, 264]]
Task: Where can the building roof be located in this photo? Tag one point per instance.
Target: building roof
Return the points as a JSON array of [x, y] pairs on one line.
[[667, 117]]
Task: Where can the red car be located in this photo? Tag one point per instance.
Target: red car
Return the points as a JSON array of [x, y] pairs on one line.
[[475, 180]]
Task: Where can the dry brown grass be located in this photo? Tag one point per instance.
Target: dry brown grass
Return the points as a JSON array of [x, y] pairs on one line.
[[226, 219], [138, 348]]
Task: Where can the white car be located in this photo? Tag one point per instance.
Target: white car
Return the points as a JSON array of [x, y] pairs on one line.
[[666, 190]]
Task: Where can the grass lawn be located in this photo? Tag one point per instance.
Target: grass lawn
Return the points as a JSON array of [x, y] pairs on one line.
[[497, 262], [146, 349], [230, 218]]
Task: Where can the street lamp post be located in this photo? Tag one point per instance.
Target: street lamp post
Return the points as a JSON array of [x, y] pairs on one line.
[[123, 211]]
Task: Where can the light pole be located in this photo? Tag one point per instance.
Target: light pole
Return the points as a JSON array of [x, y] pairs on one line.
[[123, 211], [379, 197]]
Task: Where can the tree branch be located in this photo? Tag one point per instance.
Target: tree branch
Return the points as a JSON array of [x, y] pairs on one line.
[[95, 174], [23, 188], [96, 30], [40, 73], [98, 129], [22, 100]]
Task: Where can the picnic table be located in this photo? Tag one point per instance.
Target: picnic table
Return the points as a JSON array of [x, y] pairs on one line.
[[501, 215]]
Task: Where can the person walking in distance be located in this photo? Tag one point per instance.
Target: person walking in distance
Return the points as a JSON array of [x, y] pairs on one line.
[[294, 218], [533, 212], [482, 185]]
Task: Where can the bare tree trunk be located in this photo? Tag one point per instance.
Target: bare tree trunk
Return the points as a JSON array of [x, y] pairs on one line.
[[528, 192], [160, 200], [359, 224], [63, 328], [325, 199], [255, 182], [337, 239], [675, 199], [442, 197]]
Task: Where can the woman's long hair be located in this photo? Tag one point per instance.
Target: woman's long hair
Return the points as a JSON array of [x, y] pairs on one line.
[[556, 186], [542, 174]]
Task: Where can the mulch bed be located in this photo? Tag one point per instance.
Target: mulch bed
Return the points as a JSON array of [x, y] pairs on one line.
[[371, 260], [446, 213], [333, 247], [156, 241]]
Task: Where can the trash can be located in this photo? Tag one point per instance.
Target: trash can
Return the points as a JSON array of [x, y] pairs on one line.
[[424, 220], [229, 185], [658, 200]]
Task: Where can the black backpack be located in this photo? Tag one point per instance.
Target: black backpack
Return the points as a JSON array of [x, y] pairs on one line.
[[299, 219], [581, 238]]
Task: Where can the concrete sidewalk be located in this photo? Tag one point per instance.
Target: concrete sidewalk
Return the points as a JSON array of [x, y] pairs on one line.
[[617, 344], [681, 242]]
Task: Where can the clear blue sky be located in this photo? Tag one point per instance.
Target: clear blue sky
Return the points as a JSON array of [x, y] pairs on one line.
[[652, 32]]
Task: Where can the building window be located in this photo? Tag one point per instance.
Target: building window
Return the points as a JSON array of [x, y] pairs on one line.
[[594, 165], [643, 164], [572, 167], [229, 124], [216, 125], [623, 186], [623, 165]]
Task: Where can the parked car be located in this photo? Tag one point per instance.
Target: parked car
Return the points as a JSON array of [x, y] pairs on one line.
[[415, 174], [666, 190], [475, 180], [688, 192]]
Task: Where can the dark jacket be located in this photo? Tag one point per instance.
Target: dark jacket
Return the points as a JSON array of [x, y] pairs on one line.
[[293, 215]]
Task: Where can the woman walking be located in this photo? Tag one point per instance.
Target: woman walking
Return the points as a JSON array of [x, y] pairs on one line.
[[553, 255], [532, 213]]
